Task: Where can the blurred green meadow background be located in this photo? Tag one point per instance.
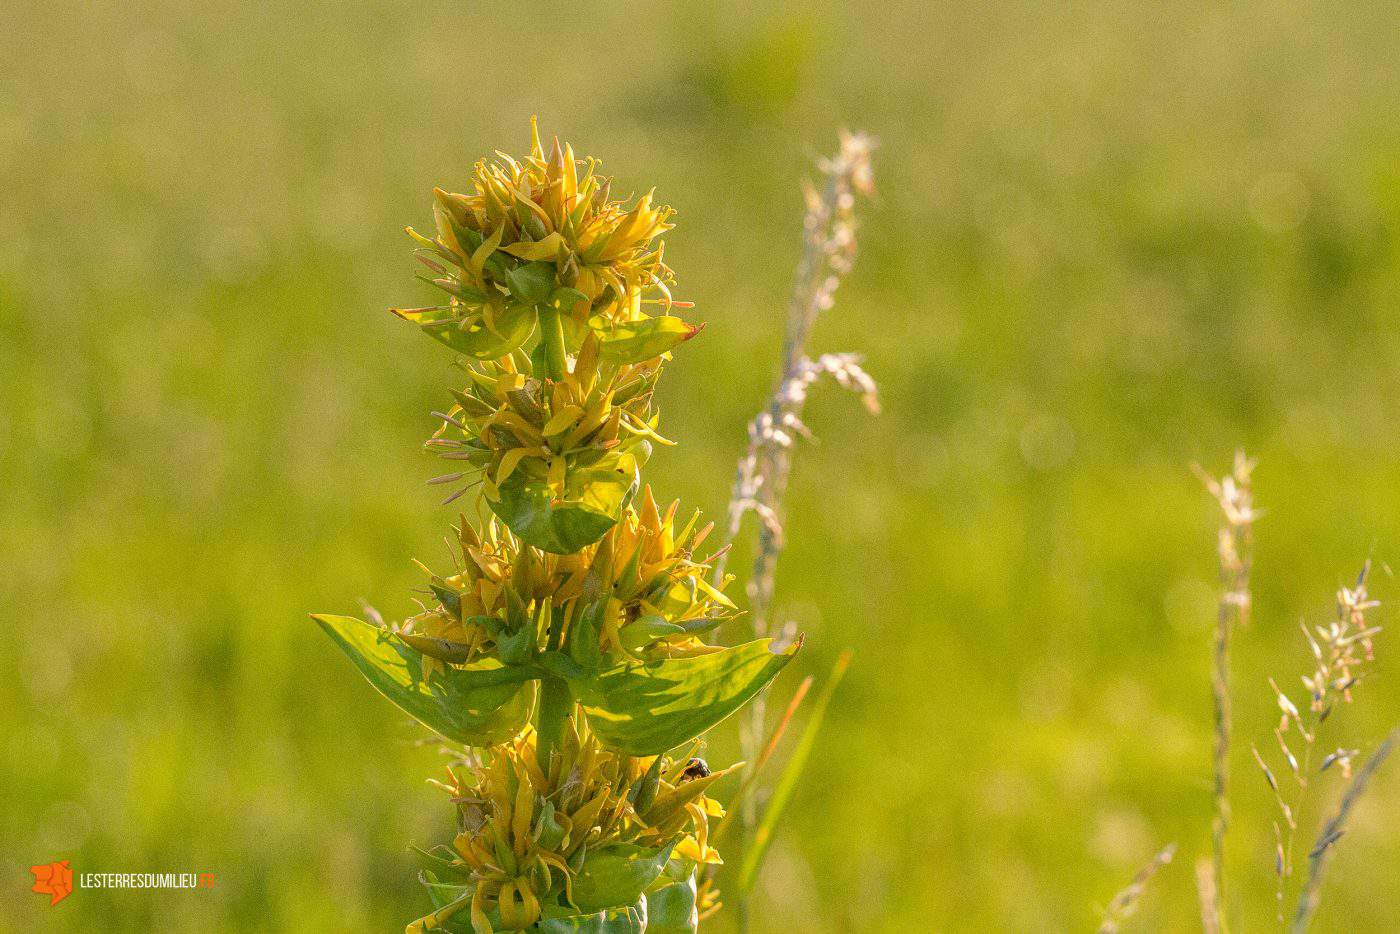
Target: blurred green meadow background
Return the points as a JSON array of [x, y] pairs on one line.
[[1109, 240]]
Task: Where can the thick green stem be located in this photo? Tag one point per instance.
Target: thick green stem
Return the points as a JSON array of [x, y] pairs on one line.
[[552, 333], [552, 718]]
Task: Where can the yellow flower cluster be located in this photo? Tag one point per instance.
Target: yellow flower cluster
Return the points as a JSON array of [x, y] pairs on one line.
[[505, 421], [532, 841], [533, 238], [654, 595], [540, 209]]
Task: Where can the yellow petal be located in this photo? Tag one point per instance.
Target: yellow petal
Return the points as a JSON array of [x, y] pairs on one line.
[[564, 418], [512, 460], [546, 249], [483, 252]]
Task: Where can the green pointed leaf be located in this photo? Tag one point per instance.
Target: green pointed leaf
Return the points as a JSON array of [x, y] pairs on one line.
[[637, 341], [646, 708], [647, 629], [642, 794], [671, 908], [514, 648], [617, 875], [592, 502], [440, 860], [450, 599], [551, 832], [467, 238], [483, 704], [565, 298], [629, 920], [532, 283], [471, 336], [561, 665], [442, 893], [539, 358], [583, 638]]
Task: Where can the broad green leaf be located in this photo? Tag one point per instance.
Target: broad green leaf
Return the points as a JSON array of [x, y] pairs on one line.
[[646, 708], [671, 908], [480, 705], [514, 647], [787, 782], [532, 283], [629, 920], [583, 638], [592, 502], [539, 358], [637, 341], [471, 336], [617, 875], [566, 299], [561, 665]]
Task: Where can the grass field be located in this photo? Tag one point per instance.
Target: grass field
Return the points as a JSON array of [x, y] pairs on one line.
[[1109, 240]]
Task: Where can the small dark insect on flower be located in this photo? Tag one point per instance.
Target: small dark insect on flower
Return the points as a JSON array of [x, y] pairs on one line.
[[695, 768]]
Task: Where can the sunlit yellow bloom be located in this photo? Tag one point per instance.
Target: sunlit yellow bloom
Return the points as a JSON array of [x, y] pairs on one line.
[[653, 591], [534, 234], [526, 832]]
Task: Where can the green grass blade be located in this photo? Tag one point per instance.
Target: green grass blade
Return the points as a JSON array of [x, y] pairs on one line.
[[787, 781]]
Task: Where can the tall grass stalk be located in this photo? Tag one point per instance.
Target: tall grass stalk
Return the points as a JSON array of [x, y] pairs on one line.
[[1234, 548], [1339, 652], [760, 481], [1125, 903], [1332, 832]]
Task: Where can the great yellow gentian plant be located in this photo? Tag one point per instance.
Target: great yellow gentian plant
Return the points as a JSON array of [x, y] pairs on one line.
[[566, 649]]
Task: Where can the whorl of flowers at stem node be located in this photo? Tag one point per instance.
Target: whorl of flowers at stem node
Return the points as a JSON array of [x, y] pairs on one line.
[[527, 838], [536, 234], [642, 581]]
